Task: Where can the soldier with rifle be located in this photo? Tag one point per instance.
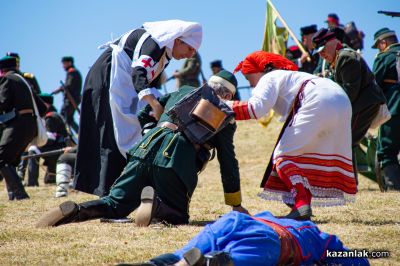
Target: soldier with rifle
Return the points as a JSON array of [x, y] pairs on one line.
[[72, 92]]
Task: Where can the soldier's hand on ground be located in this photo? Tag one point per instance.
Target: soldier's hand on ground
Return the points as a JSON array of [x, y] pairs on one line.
[[241, 209]]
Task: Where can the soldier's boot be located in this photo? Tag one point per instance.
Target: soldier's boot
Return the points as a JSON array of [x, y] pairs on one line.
[[392, 176], [33, 172], [63, 177], [16, 190], [152, 207], [302, 207], [71, 212], [49, 177]]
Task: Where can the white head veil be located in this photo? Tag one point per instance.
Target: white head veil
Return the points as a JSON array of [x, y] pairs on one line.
[[165, 32]]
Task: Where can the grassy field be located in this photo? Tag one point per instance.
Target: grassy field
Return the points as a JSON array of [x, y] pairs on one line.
[[372, 222]]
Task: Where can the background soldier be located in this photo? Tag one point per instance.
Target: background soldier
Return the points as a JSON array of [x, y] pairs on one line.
[[18, 123], [216, 66], [300, 59], [57, 139], [387, 77], [72, 88], [28, 76], [190, 71]]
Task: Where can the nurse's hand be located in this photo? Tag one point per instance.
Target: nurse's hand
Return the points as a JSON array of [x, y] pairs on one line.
[[155, 105], [241, 209]]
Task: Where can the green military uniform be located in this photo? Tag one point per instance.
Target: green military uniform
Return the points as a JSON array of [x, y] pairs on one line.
[[190, 71], [352, 73], [386, 76], [168, 161]]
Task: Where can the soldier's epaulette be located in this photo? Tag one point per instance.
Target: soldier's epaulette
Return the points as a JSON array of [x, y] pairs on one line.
[[28, 75], [71, 69]]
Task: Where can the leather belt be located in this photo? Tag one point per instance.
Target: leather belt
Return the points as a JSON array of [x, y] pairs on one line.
[[390, 81], [290, 251], [25, 111]]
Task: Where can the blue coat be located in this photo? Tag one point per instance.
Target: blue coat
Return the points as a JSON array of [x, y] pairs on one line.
[[251, 242]]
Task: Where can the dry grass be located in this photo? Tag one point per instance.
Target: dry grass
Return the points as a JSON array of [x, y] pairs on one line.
[[373, 222]]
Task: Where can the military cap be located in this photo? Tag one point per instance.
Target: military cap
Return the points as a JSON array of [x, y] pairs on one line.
[[216, 63], [47, 98], [308, 30], [225, 78], [321, 38], [16, 55], [382, 34], [67, 59], [8, 62], [332, 17]]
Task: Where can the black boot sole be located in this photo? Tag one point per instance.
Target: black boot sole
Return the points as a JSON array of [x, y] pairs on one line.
[[144, 212], [194, 257], [58, 215], [303, 213]]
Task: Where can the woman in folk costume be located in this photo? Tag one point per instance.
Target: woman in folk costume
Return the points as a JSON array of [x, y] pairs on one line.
[[311, 162], [118, 84]]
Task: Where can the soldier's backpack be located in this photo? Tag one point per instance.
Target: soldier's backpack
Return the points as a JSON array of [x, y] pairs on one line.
[[200, 114]]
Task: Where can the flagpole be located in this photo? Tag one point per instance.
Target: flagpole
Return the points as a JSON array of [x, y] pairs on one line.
[[290, 31]]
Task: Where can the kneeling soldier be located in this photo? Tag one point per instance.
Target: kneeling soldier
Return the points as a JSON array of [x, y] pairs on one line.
[[163, 168]]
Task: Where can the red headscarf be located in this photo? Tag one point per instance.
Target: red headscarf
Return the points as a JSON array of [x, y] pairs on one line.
[[257, 61]]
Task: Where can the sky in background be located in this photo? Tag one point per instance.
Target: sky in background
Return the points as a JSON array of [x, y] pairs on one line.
[[43, 31]]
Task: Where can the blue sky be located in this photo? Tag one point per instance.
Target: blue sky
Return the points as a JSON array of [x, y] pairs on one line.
[[44, 31]]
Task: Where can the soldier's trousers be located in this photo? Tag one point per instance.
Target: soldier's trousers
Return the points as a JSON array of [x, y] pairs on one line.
[[68, 111], [125, 194], [389, 141]]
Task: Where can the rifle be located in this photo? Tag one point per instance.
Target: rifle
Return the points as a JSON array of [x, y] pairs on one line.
[[68, 94], [390, 13], [43, 154]]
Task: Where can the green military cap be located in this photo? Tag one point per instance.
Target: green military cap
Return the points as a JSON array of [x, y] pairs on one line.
[[47, 98], [8, 62], [382, 34], [227, 79]]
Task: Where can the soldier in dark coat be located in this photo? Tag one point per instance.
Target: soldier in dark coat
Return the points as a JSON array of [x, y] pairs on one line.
[[351, 72], [18, 123], [163, 168], [387, 76], [300, 59], [72, 92]]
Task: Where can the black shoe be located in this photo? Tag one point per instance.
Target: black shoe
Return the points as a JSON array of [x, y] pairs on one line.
[[218, 258], [303, 213], [62, 214], [392, 176]]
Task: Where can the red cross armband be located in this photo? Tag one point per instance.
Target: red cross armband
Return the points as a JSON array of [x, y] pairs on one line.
[[148, 64]]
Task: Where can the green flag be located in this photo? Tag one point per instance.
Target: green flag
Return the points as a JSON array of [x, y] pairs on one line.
[[275, 37]]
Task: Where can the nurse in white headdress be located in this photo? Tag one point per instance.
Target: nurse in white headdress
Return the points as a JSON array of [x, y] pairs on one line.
[[118, 85]]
